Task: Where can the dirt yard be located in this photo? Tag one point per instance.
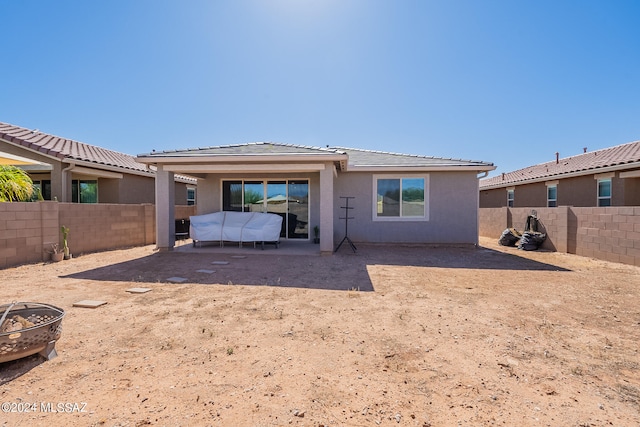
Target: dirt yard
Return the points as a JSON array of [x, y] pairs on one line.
[[407, 336]]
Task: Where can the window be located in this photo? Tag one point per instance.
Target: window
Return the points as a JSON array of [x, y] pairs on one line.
[[552, 196], [287, 198], [191, 196], [232, 196], [510, 197], [44, 186], [84, 191], [604, 192], [400, 198]]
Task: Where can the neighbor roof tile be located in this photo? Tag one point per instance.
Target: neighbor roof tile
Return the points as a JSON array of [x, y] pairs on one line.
[[63, 148], [589, 162]]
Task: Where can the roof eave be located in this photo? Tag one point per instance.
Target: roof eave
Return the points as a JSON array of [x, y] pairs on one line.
[[25, 145], [444, 168], [101, 166], [237, 158]]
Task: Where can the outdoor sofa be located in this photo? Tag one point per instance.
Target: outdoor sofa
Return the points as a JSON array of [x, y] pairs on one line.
[[241, 227]]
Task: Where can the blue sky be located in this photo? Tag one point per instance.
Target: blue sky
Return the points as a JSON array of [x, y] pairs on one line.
[[504, 81]]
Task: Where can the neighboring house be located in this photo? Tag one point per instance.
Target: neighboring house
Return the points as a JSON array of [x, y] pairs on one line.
[[608, 177], [396, 198], [71, 171]]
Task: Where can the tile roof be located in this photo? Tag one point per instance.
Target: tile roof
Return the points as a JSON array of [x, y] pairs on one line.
[[247, 149], [357, 157], [67, 149], [361, 157], [586, 163]]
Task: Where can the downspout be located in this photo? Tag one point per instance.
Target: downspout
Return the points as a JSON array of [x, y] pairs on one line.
[[64, 181], [478, 178]]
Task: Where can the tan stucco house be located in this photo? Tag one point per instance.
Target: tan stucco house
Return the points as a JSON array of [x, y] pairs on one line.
[[71, 171], [396, 198], [607, 177]]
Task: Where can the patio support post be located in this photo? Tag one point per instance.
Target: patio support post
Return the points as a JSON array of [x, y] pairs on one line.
[[60, 187], [165, 207], [326, 209]]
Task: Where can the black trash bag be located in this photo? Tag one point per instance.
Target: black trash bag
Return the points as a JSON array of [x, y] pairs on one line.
[[509, 237], [531, 224], [531, 240]]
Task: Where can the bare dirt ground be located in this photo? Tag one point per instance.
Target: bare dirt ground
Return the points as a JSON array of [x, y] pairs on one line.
[[402, 335]]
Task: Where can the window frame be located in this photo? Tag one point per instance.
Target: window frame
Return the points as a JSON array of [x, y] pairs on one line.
[[400, 218], [191, 201], [44, 185], [76, 196], [552, 203], [600, 198], [511, 196]]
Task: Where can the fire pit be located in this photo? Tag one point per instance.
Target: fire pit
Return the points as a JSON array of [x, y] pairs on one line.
[[27, 328]]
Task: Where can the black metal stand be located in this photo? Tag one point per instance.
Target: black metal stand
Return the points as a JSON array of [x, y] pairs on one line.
[[346, 224]]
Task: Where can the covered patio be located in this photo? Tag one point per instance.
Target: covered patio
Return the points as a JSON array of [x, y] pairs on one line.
[[296, 182]]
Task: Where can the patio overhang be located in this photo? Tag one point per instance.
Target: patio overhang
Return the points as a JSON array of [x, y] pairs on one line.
[[13, 160], [306, 162], [98, 173]]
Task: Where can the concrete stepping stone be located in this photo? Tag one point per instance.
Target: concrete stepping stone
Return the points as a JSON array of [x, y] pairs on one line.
[[138, 290], [205, 271], [220, 262], [177, 279], [89, 303]]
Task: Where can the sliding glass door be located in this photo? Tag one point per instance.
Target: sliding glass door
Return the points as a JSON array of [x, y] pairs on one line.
[[298, 207], [287, 198]]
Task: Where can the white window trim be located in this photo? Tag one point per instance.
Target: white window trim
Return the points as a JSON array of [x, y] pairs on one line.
[[374, 199], [602, 176], [630, 174]]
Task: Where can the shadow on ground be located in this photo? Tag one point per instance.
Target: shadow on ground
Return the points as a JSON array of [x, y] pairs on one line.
[[9, 371], [344, 270]]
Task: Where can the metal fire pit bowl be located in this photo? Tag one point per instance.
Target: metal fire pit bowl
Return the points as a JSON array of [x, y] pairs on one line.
[[40, 338]]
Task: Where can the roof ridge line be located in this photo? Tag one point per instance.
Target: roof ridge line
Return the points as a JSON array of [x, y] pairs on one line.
[[244, 144]]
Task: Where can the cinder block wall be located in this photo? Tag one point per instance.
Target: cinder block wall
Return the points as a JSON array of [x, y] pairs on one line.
[[612, 233], [493, 221], [552, 221], [608, 233], [184, 212], [98, 227], [27, 230]]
